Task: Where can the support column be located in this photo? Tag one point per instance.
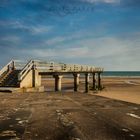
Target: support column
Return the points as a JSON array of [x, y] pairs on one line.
[[33, 76], [58, 83], [87, 82], [94, 81], [76, 81], [99, 81]]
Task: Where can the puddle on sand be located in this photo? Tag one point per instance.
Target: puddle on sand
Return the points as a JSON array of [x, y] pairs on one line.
[[11, 128]]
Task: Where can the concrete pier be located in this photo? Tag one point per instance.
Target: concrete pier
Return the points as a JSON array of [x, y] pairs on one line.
[[58, 83], [76, 81], [28, 75], [87, 82]]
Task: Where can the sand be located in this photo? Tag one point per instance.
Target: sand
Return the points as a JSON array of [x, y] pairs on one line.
[[120, 88], [73, 116], [125, 89]]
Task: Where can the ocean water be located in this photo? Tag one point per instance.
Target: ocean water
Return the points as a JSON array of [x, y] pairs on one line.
[[122, 73], [110, 74]]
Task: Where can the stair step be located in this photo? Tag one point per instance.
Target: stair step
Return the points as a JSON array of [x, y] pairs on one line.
[[10, 79]]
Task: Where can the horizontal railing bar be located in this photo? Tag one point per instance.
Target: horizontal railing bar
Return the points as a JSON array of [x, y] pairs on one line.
[[5, 68], [25, 70]]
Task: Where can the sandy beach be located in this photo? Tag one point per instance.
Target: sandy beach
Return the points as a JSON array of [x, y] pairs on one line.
[[110, 114], [120, 88]]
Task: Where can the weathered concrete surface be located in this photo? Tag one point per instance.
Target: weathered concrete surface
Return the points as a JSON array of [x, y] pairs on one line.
[[31, 79], [74, 116]]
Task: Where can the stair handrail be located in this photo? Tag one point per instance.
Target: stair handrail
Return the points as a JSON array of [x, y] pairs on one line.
[[7, 67], [25, 70]]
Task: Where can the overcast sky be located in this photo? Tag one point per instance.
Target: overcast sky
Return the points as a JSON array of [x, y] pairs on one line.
[[103, 33]]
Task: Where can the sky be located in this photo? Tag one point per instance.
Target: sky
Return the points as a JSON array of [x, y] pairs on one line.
[[103, 33]]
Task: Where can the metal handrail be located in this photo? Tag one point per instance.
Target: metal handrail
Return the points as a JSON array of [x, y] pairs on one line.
[[25, 70], [57, 67], [7, 66], [61, 67]]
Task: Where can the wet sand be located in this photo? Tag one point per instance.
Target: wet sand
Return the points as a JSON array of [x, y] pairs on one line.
[[120, 88], [125, 89]]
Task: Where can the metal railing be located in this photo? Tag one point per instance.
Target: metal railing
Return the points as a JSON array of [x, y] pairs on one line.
[[25, 70], [7, 67], [46, 66], [62, 67], [20, 64]]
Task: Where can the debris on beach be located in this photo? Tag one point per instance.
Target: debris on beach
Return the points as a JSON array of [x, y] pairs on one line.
[[125, 130], [11, 125], [75, 139], [63, 119], [133, 115], [23, 121], [18, 119], [8, 133], [131, 135]]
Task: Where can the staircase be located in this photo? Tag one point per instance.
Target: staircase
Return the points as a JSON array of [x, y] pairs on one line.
[[3, 77], [10, 79], [9, 75], [14, 72]]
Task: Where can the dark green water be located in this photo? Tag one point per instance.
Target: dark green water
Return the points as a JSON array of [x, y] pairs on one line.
[[121, 73]]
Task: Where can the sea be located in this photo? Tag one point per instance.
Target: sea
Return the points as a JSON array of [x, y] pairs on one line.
[[121, 73], [132, 74]]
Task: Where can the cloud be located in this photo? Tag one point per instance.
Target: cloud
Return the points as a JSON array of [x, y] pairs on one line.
[[20, 29], [130, 3], [112, 53], [10, 38], [102, 1], [9, 41], [70, 38], [106, 39], [38, 29], [55, 40]]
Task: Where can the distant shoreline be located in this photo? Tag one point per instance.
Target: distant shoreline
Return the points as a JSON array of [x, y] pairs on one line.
[[120, 76], [121, 73]]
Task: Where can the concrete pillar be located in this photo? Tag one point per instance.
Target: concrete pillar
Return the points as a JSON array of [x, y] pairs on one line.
[[94, 81], [99, 80], [76, 81], [33, 76], [58, 83], [87, 82]]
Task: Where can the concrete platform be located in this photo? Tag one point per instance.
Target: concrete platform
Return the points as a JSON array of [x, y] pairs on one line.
[[22, 90]]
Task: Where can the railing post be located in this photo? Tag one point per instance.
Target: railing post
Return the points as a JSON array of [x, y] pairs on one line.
[[8, 68], [13, 65]]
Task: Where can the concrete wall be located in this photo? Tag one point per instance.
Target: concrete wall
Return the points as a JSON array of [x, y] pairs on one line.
[[37, 79], [28, 80]]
